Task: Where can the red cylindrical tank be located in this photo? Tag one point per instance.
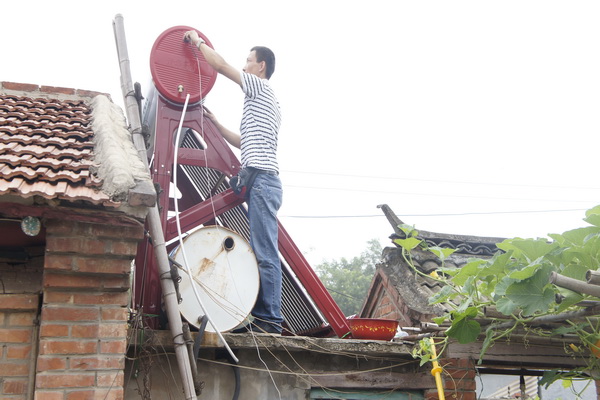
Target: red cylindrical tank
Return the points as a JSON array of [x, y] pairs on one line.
[[179, 68]]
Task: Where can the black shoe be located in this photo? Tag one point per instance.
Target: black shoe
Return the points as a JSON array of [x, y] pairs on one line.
[[259, 327]]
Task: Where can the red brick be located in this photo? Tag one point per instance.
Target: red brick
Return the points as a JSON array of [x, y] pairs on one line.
[[19, 302], [58, 262], [84, 331], [116, 283], [79, 314], [114, 314], [68, 347], [458, 363], [460, 384], [461, 373], [109, 379], [115, 266], [50, 363], [54, 330], [123, 232], [14, 369], [114, 393], [54, 381], [124, 248], [112, 331], [58, 297], [57, 90], [18, 352], [98, 362], [52, 280], [22, 319], [14, 335], [15, 386], [102, 298], [26, 87], [65, 227], [113, 346], [94, 246], [49, 395], [58, 244]]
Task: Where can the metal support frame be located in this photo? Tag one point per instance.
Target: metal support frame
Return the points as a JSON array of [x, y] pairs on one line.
[[218, 156]]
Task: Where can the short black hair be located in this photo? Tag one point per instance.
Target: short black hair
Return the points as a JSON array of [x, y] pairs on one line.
[[265, 54]]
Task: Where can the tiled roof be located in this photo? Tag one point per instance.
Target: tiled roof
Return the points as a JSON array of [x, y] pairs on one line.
[[46, 147], [47, 144]]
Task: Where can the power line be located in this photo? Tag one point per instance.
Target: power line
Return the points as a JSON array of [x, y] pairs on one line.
[[431, 215], [438, 194], [439, 180]]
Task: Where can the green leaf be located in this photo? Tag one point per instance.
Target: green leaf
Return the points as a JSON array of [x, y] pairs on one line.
[[502, 286], [592, 216], [441, 252], [409, 230], [549, 377], [526, 272], [575, 271], [570, 298], [488, 341], [577, 236], [409, 243], [467, 271], [464, 330], [531, 249], [497, 265], [506, 306], [533, 294]]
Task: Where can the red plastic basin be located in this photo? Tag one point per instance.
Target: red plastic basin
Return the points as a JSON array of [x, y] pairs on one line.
[[373, 328]]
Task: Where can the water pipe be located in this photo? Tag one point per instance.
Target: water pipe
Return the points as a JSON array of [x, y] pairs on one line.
[[436, 371]]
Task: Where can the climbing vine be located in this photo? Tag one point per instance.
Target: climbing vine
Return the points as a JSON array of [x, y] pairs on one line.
[[516, 283]]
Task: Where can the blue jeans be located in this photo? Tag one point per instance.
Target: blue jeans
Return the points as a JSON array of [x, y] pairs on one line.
[[263, 203]]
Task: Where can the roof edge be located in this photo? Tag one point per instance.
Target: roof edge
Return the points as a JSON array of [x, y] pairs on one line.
[[47, 92]]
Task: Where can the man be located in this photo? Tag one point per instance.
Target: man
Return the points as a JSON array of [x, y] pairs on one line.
[[257, 141]]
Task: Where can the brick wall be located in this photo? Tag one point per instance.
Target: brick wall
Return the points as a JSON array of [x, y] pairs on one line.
[[83, 321], [18, 338], [458, 378]]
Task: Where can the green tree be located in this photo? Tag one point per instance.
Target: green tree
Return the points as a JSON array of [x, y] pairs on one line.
[[348, 280]]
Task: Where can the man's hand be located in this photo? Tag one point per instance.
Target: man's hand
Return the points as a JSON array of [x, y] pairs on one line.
[[208, 114], [193, 37]]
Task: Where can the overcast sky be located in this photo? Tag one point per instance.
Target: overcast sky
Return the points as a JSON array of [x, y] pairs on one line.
[[465, 117]]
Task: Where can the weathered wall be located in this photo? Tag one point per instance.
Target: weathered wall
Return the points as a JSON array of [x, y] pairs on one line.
[[279, 367], [63, 326], [20, 288]]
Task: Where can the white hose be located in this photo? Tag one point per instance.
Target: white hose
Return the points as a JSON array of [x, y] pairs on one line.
[[185, 263]]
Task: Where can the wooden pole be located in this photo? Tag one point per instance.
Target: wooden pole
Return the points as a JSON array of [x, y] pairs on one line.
[[154, 225]]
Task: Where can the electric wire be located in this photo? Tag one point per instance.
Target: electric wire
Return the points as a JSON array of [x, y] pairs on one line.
[[435, 214], [436, 195], [354, 176]]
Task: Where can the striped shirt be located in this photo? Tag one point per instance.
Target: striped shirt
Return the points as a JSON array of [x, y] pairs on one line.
[[259, 128]]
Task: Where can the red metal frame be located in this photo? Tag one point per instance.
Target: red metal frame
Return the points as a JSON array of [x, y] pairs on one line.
[[218, 156]]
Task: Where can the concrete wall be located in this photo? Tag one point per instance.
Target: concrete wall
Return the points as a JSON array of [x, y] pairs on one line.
[[280, 368]]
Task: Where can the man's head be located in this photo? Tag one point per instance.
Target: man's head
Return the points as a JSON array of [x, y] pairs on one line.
[[260, 62]]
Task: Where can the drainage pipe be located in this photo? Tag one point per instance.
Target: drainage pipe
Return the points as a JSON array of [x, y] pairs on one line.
[[153, 219]]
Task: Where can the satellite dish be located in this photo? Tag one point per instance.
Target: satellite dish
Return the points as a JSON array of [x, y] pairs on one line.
[[179, 68], [225, 274]]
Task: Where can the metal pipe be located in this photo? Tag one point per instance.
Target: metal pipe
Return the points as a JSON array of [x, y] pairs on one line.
[[153, 218], [574, 284], [436, 371]]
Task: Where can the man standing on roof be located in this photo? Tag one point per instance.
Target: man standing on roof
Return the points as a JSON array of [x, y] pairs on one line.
[[257, 141]]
